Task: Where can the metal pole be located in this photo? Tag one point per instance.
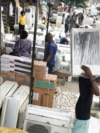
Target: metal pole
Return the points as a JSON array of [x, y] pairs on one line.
[[48, 20], [50, 4], [33, 53], [0, 35], [48, 17]]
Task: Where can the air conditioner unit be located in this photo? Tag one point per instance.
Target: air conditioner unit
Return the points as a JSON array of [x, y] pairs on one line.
[[46, 120], [23, 94], [30, 16], [7, 88], [12, 115], [95, 103], [1, 80], [9, 112]]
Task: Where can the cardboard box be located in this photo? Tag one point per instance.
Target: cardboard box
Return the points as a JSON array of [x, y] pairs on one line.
[[36, 98], [44, 90], [22, 79], [2, 50], [43, 97], [7, 75], [48, 82], [39, 69]]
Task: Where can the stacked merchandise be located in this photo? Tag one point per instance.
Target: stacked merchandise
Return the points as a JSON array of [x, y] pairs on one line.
[[7, 63], [44, 85], [15, 64], [1, 80], [23, 66], [13, 109], [7, 88], [46, 120], [7, 76]]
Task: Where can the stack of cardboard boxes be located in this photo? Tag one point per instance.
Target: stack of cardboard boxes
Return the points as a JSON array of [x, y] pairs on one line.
[[44, 85], [20, 78], [7, 75]]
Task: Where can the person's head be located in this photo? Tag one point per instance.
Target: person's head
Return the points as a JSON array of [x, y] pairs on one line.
[[68, 16], [94, 22], [22, 13], [60, 4], [48, 37], [23, 35], [86, 26], [43, 18]]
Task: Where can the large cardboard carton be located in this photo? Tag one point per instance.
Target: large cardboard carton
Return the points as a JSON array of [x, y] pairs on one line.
[[39, 69], [36, 96], [43, 97], [22, 79], [2, 50], [44, 89], [48, 82], [7, 75]]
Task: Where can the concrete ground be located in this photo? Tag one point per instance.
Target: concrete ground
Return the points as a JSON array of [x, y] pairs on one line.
[[66, 98]]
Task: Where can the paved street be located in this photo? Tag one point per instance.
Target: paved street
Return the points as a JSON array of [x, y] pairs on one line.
[[66, 99]]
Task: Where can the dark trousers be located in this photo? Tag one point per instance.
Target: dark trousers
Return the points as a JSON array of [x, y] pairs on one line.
[[66, 28], [50, 69], [21, 28]]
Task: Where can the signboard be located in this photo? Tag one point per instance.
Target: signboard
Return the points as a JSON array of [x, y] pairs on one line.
[[85, 50]]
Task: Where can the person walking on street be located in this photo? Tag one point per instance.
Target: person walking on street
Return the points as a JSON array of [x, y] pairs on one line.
[[87, 87]]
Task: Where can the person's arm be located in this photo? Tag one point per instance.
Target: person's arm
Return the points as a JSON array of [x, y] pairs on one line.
[[88, 73], [17, 48], [94, 86], [19, 18], [48, 58], [30, 48], [25, 20]]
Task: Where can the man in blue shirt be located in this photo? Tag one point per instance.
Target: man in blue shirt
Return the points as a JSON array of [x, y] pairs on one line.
[[63, 40], [50, 52]]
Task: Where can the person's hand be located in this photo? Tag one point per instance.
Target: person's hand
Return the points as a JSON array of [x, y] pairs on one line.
[[94, 86], [87, 71]]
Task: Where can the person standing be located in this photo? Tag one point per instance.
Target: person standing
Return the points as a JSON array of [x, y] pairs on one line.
[[23, 45], [44, 21], [72, 22], [67, 23], [63, 40], [22, 21], [50, 52], [80, 18], [94, 22], [87, 87], [60, 8]]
